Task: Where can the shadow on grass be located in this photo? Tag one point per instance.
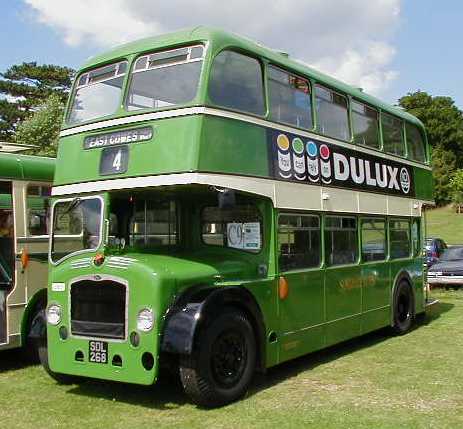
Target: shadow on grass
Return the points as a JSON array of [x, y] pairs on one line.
[[11, 360], [167, 393]]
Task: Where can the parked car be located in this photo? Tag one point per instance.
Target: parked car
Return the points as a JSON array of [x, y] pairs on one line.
[[448, 271], [433, 248]]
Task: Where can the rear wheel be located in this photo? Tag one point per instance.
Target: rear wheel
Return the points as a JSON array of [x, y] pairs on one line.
[[403, 308], [221, 367]]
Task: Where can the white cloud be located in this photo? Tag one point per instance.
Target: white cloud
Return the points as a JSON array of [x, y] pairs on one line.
[[348, 39]]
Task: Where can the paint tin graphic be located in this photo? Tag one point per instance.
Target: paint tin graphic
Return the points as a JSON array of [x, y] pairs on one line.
[[298, 159], [325, 165], [284, 156], [312, 161]]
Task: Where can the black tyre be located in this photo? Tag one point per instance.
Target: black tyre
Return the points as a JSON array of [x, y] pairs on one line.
[[223, 362], [403, 308], [36, 328]]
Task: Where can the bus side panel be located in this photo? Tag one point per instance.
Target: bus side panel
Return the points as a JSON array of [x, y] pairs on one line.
[[231, 146], [302, 314], [376, 296], [343, 288]]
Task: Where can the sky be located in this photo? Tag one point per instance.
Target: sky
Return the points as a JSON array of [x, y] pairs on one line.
[[387, 47]]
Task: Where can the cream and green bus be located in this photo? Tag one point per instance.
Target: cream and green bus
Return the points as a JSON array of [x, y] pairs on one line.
[[220, 208], [25, 189]]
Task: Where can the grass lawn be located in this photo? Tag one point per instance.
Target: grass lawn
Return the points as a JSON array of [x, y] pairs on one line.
[[377, 381], [443, 222]]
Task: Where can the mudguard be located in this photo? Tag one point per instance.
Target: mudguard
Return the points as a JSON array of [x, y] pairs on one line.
[[193, 308]]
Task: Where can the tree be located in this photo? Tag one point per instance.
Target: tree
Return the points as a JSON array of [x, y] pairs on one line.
[[24, 87], [42, 128], [456, 185], [444, 126]]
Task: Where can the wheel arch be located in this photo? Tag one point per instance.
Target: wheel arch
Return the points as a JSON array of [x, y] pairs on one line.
[[39, 298], [194, 308], [402, 276]]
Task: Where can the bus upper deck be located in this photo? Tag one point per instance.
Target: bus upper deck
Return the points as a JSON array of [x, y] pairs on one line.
[[204, 101]]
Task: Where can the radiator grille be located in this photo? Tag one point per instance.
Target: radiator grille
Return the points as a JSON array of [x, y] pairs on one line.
[[98, 309]]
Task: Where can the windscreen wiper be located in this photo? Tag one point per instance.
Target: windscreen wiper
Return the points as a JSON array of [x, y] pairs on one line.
[[72, 205]]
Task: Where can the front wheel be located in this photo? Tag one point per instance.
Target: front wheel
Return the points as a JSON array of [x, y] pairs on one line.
[[221, 367], [403, 308]]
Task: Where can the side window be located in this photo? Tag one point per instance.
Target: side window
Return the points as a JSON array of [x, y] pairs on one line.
[[38, 209], [366, 125], [399, 232], [239, 227], [299, 241], [373, 239], [289, 99], [341, 244], [154, 223], [393, 136], [415, 143], [236, 83], [332, 113], [416, 246]]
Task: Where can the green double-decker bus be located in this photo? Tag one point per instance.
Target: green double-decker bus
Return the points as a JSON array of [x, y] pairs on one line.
[[25, 192], [221, 208]]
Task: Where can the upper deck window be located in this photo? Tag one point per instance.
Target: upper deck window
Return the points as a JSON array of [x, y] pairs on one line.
[[415, 143], [166, 78], [98, 93], [366, 125], [290, 100], [393, 136], [332, 113], [236, 83]]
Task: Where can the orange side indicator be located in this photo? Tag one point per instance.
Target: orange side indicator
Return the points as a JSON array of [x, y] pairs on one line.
[[24, 259], [283, 288]]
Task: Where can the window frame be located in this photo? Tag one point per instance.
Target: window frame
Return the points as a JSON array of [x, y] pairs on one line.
[[131, 71], [399, 219], [178, 234], [310, 84], [316, 84], [354, 100], [248, 252], [386, 238], [408, 124], [263, 73], [357, 239], [76, 86], [402, 133], [321, 244], [27, 211]]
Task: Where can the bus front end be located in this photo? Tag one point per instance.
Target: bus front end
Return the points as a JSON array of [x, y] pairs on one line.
[[123, 260]]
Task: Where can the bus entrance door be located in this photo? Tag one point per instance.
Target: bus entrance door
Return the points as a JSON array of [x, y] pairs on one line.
[[6, 259]]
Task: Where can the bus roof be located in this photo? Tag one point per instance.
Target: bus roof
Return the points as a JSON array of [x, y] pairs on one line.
[[26, 167], [220, 39]]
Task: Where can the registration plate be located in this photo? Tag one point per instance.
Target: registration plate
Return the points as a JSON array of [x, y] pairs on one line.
[[98, 351]]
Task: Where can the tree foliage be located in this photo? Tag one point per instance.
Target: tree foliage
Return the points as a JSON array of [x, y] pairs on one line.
[[444, 125], [456, 186], [42, 128], [23, 87]]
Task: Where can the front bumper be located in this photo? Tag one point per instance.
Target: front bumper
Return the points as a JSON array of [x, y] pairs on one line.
[[454, 280]]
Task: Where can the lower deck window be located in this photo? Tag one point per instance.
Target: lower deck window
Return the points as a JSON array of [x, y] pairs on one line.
[[239, 227], [341, 244], [373, 239], [298, 241], [399, 231]]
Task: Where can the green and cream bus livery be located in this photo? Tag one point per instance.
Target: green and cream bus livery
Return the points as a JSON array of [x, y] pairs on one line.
[[223, 208], [25, 189]]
